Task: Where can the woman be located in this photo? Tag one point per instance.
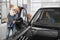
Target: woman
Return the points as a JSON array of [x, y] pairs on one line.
[[11, 21]]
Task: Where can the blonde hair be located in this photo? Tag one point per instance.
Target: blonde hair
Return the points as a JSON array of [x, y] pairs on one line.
[[11, 5], [29, 16]]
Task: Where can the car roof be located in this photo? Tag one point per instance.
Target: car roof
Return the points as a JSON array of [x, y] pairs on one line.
[[51, 8]]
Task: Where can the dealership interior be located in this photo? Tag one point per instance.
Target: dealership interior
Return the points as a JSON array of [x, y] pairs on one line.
[[29, 19]]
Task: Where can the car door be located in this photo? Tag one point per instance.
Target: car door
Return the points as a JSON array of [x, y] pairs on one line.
[[39, 19]]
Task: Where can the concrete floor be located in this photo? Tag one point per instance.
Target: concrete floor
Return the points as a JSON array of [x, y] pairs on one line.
[[3, 31]]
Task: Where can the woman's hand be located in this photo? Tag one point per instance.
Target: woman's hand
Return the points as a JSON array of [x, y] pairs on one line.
[[14, 22]]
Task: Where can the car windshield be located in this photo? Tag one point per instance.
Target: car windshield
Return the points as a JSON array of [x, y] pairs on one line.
[[50, 16]]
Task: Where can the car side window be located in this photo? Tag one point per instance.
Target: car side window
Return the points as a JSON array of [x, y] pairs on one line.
[[47, 17]]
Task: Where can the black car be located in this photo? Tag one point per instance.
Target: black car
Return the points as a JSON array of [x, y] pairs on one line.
[[45, 25]]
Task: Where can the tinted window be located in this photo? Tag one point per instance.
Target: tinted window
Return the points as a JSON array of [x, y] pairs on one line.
[[50, 16]]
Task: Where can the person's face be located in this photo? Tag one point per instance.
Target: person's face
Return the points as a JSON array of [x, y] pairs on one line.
[[12, 12], [47, 14], [17, 9], [29, 16]]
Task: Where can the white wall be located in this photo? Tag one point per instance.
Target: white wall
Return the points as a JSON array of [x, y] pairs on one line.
[[4, 13], [24, 1], [4, 8], [51, 3], [28, 6], [34, 5], [50, 0], [14, 2], [19, 2]]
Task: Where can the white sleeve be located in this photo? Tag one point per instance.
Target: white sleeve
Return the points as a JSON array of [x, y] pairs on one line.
[[23, 14]]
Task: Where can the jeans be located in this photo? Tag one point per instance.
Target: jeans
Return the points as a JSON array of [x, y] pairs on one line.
[[13, 28]]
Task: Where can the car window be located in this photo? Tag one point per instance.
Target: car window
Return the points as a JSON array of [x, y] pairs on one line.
[[36, 16], [51, 16]]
